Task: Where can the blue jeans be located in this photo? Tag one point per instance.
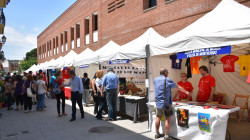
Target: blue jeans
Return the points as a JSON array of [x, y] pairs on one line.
[[40, 101], [111, 96]]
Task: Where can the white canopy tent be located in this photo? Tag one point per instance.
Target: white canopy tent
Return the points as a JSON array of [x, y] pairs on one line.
[[67, 59], [31, 68], [94, 58], [227, 24], [87, 53], [55, 63]]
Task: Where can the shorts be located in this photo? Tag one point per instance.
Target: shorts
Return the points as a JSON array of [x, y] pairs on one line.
[[160, 112]]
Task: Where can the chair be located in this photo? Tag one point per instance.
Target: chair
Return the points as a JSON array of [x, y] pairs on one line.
[[224, 97], [245, 106]]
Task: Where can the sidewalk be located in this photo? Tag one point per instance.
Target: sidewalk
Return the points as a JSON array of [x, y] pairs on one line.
[[47, 126]]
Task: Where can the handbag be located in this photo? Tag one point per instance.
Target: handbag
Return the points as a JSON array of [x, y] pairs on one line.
[[29, 91], [33, 90], [168, 110]]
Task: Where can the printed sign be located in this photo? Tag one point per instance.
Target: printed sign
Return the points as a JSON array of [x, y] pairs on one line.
[[204, 52], [182, 117], [118, 62], [204, 122], [83, 66]]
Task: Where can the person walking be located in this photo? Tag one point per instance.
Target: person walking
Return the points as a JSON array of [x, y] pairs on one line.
[[86, 84], [18, 87], [100, 94], [94, 94], [8, 91], [76, 93], [27, 99], [42, 90], [60, 93], [111, 85], [163, 99], [34, 99]]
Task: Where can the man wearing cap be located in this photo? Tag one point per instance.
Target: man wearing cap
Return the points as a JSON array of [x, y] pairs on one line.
[[111, 84], [76, 93]]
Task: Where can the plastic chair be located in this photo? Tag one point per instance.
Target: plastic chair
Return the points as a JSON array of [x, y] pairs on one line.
[[245, 106]]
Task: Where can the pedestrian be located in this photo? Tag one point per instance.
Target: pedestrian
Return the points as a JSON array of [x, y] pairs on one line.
[[86, 84], [100, 94], [51, 86], [163, 99], [76, 93], [94, 94], [111, 85], [27, 99], [60, 93], [18, 92], [34, 99], [206, 86], [8, 91], [42, 90], [187, 86]]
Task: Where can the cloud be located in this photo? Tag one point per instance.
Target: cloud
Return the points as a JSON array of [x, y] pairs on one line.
[[22, 27], [18, 43], [36, 29]]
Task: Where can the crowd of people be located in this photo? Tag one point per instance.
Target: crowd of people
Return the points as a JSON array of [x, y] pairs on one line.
[[103, 88]]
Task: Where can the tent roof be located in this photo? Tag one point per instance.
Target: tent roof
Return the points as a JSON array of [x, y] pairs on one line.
[[94, 58], [66, 60], [227, 24]]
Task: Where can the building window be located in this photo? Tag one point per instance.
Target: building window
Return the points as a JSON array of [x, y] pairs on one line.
[[168, 1], [48, 49], [66, 40], [72, 37], [54, 46], [62, 42], [95, 27], [147, 4], [115, 4], [57, 48], [78, 34], [86, 21]]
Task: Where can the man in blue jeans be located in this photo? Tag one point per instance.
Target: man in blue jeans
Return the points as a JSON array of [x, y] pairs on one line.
[[111, 83], [76, 93]]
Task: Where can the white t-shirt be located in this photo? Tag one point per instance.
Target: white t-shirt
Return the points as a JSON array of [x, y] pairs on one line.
[[40, 83]]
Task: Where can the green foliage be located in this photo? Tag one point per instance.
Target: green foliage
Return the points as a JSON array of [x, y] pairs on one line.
[[31, 59]]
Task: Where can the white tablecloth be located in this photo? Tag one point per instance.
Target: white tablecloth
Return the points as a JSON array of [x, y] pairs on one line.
[[218, 122]]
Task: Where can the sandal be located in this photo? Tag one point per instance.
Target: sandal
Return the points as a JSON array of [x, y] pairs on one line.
[[64, 114], [59, 115]]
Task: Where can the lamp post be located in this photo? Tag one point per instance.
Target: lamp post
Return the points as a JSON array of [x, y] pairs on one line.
[[4, 39]]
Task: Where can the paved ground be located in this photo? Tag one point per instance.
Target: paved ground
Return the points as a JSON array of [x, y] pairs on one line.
[[47, 126]]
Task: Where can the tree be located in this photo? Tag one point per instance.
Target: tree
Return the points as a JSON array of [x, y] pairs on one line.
[[31, 59]]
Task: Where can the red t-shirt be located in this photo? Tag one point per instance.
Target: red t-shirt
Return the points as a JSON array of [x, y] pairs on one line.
[[228, 62], [188, 87], [66, 73], [60, 83], [205, 85]]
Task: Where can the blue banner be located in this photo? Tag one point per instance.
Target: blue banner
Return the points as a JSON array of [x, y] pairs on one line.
[[204, 52], [118, 62], [83, 66]]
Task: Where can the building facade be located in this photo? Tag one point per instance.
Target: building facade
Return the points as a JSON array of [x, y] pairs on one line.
[[93, 23]]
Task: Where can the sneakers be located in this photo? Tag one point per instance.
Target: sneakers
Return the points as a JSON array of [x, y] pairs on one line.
[[25, 111], [157, 136]]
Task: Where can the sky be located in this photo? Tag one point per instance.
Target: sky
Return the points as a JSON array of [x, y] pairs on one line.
[[25, 20]]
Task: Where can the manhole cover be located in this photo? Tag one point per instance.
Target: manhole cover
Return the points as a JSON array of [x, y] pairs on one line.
[[101, 129]]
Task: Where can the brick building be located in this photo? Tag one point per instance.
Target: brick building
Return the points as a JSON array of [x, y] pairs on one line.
[[93, 23]]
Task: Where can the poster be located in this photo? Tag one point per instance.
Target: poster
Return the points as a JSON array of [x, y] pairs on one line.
[[182, 117], [134, 73], [204, 122]]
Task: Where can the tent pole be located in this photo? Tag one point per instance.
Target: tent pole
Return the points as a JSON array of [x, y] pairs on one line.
[[147, 75], [99, 65]]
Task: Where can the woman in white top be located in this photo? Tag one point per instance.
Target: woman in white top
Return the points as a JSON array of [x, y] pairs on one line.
[[41, 93], [101, 95]]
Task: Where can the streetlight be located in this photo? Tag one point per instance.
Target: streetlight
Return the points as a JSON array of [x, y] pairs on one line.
[[4, 39]]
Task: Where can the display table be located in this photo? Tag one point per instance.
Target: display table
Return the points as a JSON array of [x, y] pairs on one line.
[[218, 122], [132, 106], [67, 92]]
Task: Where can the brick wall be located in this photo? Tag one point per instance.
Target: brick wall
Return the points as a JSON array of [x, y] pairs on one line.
[[123, 24]]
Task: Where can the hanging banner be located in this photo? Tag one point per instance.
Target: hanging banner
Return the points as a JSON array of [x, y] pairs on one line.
[[83, 66], [118, 62], [204, 52]]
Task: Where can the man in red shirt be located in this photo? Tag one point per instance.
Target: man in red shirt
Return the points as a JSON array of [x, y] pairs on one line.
[[206, 86]]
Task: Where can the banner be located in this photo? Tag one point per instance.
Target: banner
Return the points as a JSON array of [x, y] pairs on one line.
[[182, 117], [204, 122], [83, 66], [118, 62], [204, 52]]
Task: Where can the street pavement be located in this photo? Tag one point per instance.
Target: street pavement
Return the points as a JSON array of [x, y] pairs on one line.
[[38, 125]]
